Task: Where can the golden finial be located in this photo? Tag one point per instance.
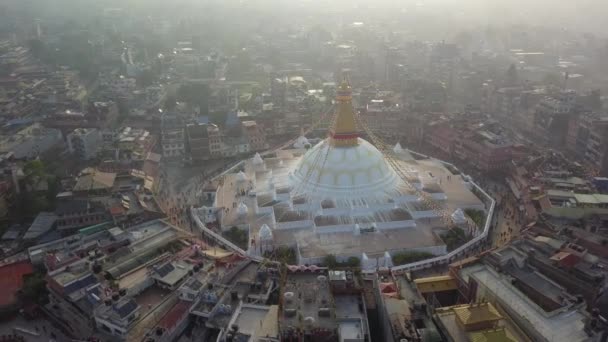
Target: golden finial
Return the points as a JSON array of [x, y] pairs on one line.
[[344, 132]]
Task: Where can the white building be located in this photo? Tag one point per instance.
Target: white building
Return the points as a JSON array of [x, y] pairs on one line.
[[85, 143], [116, 318], [172, 136]]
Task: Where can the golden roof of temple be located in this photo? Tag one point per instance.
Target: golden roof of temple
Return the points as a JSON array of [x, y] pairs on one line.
[[344, 131]]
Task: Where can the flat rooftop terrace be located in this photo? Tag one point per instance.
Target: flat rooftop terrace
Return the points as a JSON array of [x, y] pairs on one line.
[[309, 297], [565, 326], [373, 243]]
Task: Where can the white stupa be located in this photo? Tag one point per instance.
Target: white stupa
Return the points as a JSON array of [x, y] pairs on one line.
[[241, 177], [341, 190], [398, 149], [242, 210], [387, 261], [458, 216], [265, 233], [257, 159], [301, 142], [367, 264], [344, 165]]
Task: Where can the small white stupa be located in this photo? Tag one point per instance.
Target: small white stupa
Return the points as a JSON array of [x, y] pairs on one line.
[[458, 216], [398, 149], [301, 142], [265, 233], [241, 177], [366, 264], [257, 159], [242, 210], [387, 261]]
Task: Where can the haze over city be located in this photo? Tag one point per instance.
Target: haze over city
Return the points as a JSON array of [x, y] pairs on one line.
[[314, 170]]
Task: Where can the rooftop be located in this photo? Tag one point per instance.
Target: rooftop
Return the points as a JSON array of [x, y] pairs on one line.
[[563, 326], [42, 224], [462, 323], [96, 180], [307, 295], [11, 281]]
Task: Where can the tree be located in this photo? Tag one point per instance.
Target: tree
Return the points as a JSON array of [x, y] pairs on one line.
[[409, 257], [353, 262], [170, 103], [455, 238], [38, 48], [146, 77], [512, 78], [195, 94], [237, 236], [477, 216], [34, 289], [330, 261], [123, 109], [283, 254], [552, 79], [34, 171]]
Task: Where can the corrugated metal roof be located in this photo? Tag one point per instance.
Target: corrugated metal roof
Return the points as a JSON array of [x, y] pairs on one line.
[[495, 335], [436, 284], [477, 313]]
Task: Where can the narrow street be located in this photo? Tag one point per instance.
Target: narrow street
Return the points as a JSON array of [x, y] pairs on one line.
[[505, 223], [180, 188]]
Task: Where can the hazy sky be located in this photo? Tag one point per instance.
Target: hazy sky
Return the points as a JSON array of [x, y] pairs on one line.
[[582, 15]]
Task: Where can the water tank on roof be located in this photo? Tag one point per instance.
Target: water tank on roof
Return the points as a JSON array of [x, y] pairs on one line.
[[288, 297], [324, 312], [290, 312], [309, 321]]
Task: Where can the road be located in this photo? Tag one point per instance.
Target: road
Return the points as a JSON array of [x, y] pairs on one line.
[[506, 223]]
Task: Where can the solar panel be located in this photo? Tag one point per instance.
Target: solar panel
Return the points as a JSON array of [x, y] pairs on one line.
[[126, 309], [80, 284], [165, 269]]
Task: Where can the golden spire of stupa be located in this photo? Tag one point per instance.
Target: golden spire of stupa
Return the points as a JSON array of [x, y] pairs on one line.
[[344, 132]]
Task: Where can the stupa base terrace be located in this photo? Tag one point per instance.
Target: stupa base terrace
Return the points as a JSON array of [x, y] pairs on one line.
[[268, 201]]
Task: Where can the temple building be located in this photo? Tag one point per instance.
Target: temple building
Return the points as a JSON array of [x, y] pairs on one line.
[[343, 196]]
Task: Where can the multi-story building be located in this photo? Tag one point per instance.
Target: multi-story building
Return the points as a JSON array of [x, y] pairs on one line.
[[255, 135], [117, 318], [134, 142], [442, 136], [203, 142], [172, 136], [197, 142], [527, 288], [31, 142], [383, 117], [552, 117], [73, 214], [484, 150], [278, 91], [216, 146], [587, 140], [85, 143]]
